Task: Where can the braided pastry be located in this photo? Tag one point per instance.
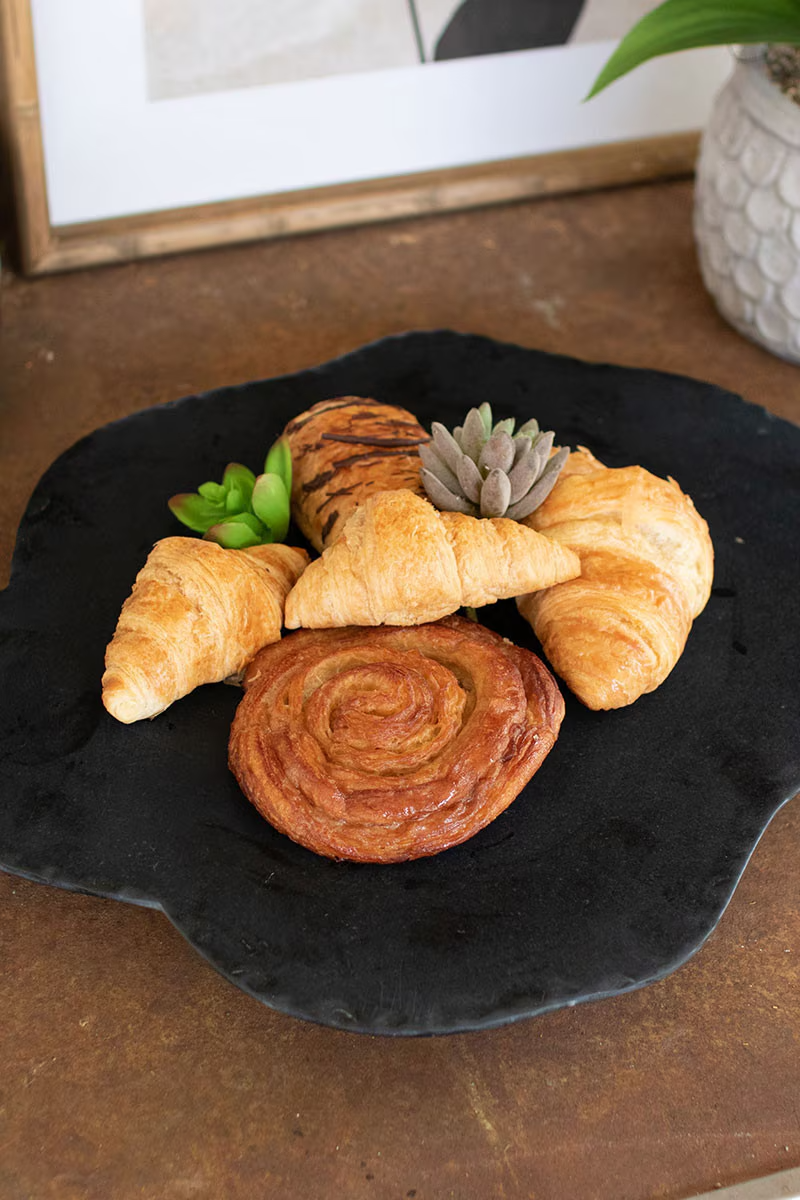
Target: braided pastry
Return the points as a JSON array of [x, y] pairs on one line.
[[380, 745]]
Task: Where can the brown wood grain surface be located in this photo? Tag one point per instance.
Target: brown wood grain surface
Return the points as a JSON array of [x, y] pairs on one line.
[[129, 1067]]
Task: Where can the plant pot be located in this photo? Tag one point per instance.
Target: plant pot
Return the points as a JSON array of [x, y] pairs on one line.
[[747, 209]]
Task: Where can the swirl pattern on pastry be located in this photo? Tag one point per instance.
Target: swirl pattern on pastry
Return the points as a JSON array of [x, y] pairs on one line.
[[386, 744]]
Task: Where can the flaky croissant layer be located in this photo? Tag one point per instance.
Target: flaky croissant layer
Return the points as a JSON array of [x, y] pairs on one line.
[[399, 561], [617, 630], [197, 614], [380, 745]]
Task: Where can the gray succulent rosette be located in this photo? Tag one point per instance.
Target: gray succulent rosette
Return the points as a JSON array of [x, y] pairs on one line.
[[486, 470]]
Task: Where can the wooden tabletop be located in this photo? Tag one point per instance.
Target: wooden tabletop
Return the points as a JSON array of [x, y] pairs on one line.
[[129, 1067]]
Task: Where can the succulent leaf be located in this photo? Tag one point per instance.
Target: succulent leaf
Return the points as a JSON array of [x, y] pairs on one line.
[[435, 464], [506, 426], [214, 492], [530, 428], [523, 476], [241, 478], [246, 518], [235, 502], [442, 497], [270, 501], [279, 462], [498, 452], [541, 489], [195, 511], [446, 446], [474, 434], [495, 492], [540, 448], [522, 446], [485, 412], [470, 479], [233, 534]]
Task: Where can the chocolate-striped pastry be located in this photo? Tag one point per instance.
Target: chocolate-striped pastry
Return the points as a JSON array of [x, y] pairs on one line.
[[344, 450], [386, 744]]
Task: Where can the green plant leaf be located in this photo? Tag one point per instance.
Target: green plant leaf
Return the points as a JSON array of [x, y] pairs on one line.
[[248, 519], [271, 505], [485, 411], [236, 533], [214, 492], [688, 24], [195, 511], [241, 479], [279, 462], [530, 429], [235, 502]]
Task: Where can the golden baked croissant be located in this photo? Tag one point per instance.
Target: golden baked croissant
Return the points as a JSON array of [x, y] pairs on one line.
[[344, 450], [380, 745], [646, 568], [399, 561], [197, 614]]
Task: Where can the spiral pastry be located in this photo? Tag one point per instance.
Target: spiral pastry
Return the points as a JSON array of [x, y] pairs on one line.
[[386, 744]]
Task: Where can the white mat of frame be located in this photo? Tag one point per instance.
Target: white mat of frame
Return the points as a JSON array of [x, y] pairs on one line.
[[109, 151]]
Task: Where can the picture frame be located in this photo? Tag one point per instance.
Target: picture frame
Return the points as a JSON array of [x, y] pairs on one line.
[[623, 150]]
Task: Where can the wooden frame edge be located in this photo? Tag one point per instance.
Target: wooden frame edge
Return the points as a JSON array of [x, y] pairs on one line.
[[23, 135], [45, 248]]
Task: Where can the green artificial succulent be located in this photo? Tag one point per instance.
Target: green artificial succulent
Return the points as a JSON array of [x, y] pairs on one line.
[[486, 470], [243, 510]]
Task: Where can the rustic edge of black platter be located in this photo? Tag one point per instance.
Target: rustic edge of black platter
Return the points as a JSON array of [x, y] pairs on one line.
[[607, 872]]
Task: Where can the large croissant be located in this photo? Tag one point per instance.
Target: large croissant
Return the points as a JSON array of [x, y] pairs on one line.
[[197, 614], [646, 568], [398, 561], [344, 450]]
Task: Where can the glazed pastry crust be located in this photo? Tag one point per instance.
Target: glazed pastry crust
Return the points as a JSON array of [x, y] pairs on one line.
[[197, 614], [399, 561], [344, 450], [381, 745], [617, 631]]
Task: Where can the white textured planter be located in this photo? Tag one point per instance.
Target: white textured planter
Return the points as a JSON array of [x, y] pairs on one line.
[[747, 209]]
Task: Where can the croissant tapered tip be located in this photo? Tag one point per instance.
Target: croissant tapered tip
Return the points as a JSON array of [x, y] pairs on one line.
[[124, 704]]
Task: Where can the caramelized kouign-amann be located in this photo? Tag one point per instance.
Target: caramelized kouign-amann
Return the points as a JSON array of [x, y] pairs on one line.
[[380, 745]]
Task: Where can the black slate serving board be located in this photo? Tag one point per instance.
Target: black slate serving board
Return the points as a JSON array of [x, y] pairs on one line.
[[607, 872]]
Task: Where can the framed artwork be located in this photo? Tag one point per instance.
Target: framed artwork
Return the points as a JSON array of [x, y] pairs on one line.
[[142, 127]]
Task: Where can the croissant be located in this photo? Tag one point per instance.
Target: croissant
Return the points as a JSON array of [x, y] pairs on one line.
[[646, 556], [398, 561], [380, 745], [344, 450], [197, 614]]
